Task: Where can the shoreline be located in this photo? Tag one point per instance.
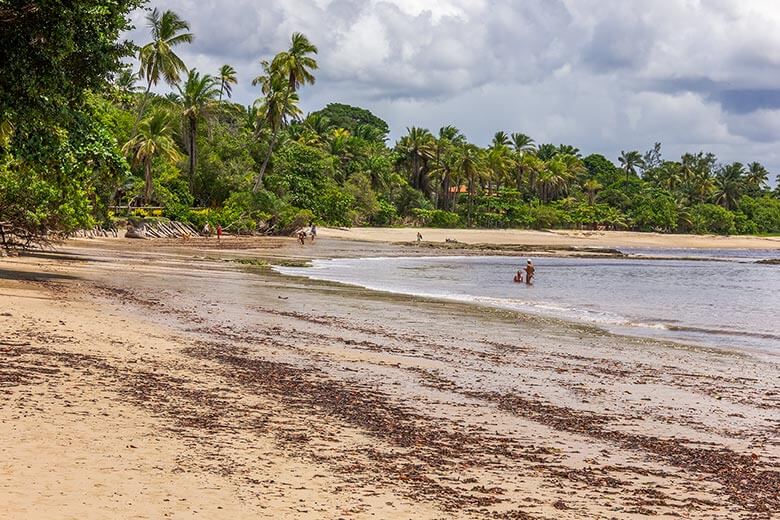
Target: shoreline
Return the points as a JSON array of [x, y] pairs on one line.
[[305, 400], [549, 238]]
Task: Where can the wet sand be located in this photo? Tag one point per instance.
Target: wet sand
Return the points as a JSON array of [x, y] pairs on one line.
[[157, 379]]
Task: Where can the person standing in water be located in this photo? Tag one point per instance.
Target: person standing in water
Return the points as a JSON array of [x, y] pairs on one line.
[[529, 271]]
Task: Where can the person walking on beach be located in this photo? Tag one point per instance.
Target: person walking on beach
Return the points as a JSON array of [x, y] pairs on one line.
[[529, 271], [302, 237], [419, 237], [206, 230], [313, 231], [219, 232]]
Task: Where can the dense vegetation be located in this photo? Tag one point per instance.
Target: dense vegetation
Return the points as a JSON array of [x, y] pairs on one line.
[[81, 134]]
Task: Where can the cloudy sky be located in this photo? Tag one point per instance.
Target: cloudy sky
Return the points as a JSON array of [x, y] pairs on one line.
[[604, 75]]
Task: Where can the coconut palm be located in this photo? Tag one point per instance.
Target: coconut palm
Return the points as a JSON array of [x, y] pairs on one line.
[[630, 161], [158, 61], [499, 164], [728, 185], [227, 78], [446, 144], [154, 137], [591, 186], [567, 149], [756, 178], [500, 138], [275, 110], [553, 180], [416, 149], [522, 143], [296, 63], [469, 165], [196, 98]]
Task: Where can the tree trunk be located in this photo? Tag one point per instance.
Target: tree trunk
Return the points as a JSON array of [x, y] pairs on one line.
[[259, 179], [193, 152], [471, 198], [141, 108], [148, 180], [447, 194]]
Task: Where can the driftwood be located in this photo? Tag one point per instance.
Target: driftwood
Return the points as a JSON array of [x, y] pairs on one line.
[[160, 229]]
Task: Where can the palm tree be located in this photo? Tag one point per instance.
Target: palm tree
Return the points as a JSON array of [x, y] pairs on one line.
[[469, 165], [158, 61], [196, 98], [417, 148], [567, 149], [296, 63], [499, 163], [227, 78], [500, 138], [630, 161], [728, 185], [591, 186], [553, 180], [449, 139], [154, 137], [756, 178], [281, 79], [275, 110], [522, 143], [546, 151]]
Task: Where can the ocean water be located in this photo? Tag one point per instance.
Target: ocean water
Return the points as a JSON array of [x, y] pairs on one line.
[[722, 298]]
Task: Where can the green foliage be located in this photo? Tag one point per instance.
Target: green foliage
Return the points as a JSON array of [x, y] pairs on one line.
[[545, 216], [264, 167], [436, 218], [710, 218], [386, 214], [352, 118]]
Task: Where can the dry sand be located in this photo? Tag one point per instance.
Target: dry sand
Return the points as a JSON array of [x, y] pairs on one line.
[[613, 239], [157, 380]]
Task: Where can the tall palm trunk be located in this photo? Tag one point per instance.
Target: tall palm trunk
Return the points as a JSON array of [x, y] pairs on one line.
[[447, 195], [471, 198], [259, 178], [193, 149], [147, 179], [141, 108]]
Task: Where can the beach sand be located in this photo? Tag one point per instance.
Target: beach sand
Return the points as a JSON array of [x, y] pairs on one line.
[[609, 239], [157, 379]]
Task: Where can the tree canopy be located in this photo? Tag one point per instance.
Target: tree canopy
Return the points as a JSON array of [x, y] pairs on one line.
[[82, 136]]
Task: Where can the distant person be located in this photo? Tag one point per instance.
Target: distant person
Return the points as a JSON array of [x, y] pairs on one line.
[[313, 231], [219, 232], [206, 230], [419, 237], [529, 271], [518, 276], [302, 237]]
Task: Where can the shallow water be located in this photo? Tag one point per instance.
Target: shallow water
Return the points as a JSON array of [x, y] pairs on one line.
[[733, 303]]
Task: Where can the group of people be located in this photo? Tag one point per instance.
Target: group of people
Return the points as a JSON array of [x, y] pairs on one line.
[[207, 231], [529, 273], [312, 232]]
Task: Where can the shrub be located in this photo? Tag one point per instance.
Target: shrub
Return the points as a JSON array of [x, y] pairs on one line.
[[710, 218], [436, 218]]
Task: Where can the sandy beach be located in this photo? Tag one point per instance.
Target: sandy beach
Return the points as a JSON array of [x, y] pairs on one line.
[[163, 379], [570, 238]]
